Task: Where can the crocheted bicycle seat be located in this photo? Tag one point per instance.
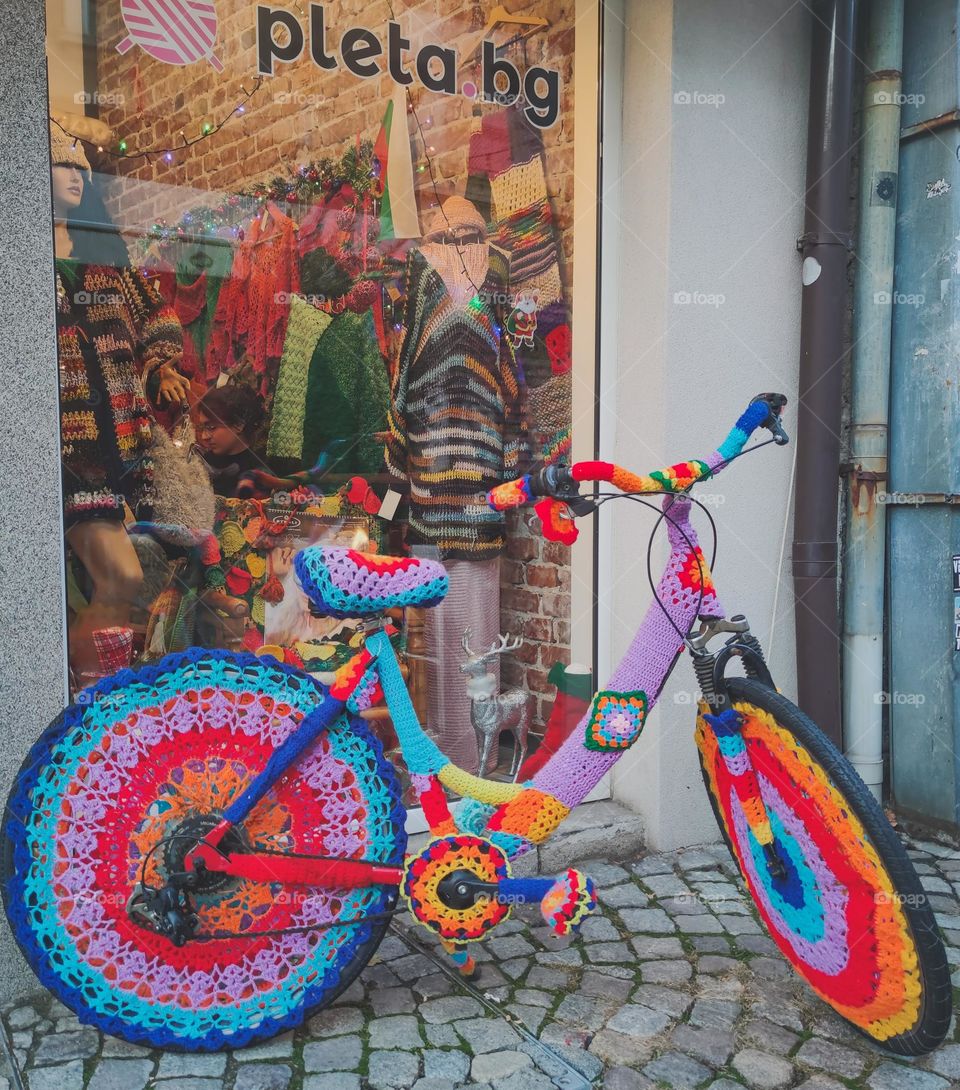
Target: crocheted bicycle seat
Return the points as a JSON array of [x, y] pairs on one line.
[[345, 583]]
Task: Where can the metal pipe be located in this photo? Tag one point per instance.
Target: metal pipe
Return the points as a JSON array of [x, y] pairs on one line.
[[824, 245], [864, 555]]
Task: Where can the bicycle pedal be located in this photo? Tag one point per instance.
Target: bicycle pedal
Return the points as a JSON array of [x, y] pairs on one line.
[[568, 902]]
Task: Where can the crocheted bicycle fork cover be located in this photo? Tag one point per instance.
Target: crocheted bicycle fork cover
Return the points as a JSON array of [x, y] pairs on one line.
[[835, 916], [98, 803]]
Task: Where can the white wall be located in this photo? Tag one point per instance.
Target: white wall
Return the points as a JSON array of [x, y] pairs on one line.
[[708, 200]]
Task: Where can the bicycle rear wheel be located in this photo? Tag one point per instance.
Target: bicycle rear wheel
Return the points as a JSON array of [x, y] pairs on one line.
[[850, 915], [156, 754]]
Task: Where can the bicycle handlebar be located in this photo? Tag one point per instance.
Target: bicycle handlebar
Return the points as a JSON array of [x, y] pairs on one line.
[[561, 482]]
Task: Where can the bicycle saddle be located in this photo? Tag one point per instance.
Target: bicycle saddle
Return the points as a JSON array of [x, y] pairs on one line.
[[345, 583]]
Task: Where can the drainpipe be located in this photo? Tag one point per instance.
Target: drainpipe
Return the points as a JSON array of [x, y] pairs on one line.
[[824, 245], [863, 571]]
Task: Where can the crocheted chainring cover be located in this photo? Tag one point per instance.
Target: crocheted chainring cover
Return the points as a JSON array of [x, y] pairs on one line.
[[146, 751], [836, 916], [346, 583]]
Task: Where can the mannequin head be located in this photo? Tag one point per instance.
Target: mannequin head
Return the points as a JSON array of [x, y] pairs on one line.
[[68, 183]]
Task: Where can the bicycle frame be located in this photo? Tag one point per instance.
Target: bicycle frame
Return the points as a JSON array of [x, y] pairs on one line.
[[687, 594]]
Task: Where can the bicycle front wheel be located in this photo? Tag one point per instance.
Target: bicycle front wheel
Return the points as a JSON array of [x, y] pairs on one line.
[[850, 914], [118, 789]]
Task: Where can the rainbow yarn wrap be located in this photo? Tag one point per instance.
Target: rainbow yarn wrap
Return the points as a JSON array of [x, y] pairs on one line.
[[570, 900], [835, 914]]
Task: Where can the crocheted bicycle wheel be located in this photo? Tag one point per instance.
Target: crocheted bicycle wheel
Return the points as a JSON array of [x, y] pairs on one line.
[[850, 914], [158, 753]]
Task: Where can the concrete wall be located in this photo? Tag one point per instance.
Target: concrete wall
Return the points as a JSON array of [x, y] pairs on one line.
[[707, 209], [31, 556]]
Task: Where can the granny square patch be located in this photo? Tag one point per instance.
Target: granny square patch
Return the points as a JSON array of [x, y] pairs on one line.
[[616, 720]]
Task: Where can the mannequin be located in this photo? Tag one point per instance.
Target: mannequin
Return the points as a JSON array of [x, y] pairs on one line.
[[105, 419], [456, 428]]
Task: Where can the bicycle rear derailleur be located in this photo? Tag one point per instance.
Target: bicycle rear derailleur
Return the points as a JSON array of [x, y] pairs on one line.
[[166, 910]]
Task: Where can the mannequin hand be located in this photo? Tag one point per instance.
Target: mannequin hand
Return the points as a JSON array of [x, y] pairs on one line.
[[173, 386]]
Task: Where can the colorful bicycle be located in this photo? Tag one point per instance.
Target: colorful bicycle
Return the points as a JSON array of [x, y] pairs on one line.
[[208, 849]]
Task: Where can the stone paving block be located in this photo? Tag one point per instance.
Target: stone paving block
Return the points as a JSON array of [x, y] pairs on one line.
[[380, 976], [666, 972], [572, 1052], [653, 920], [392, 1001], [710, 944], [625, 1078], [391, 947], [599, 929], [719, 987], [648, 947], [638, 1021], [334, 1054], [945, 1061], [339, 1081], [602, 986], [614, 952], [699, 925], [522, 1080], [770, 1036], [694, 858], [739, 925], [515, 968], [178, 1065], [711, 963], [434, 1084], [584, 1010], [61, 1047], [26, 1016], [757, 944], [762, 1070], [535, 997], [625, 896], [547, 978], [820, 1082], [621, 1048], [688, 905], [190, 1083], [714, 1013], [412, 967], [494, 1066], [356, 993], [277, 1048], [392, 1070], [433, 986], [449, 1009], [830, 1057], [398, 1031], [510, 946], [333, 1022], [68, 1076], [602, 872], [893, 1076], [263, 1077], [571, 958], [441, 1035], [713, 1045], [117, 1048], [662, 998], [532, 1017], [652, 864], [677, 1070], [441, 1064], [667, 885], [487, 1034]]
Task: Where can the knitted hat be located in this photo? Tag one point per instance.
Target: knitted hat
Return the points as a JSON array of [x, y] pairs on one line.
[[67, 151], [454, 213]]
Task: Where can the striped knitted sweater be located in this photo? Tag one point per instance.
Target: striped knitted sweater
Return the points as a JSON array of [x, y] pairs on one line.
[[457, 420], [113, 330]]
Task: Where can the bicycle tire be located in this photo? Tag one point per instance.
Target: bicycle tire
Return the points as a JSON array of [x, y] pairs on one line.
[[852, 917], [146, 752]]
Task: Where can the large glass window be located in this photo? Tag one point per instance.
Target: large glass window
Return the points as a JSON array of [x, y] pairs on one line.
[[314, 270]]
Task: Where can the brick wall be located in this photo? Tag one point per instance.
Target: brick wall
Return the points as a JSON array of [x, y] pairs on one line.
[[303, 113]]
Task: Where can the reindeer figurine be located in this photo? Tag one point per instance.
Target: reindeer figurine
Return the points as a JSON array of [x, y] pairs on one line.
[[490, 711]]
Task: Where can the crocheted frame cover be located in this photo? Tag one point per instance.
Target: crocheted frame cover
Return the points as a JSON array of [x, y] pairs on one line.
[[115, 774], [837, 895]]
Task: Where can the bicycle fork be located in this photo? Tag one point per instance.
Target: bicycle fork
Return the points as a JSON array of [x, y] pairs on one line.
[[727, 723]]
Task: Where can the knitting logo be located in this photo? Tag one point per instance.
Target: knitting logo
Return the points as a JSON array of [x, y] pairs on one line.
[[281, 38]]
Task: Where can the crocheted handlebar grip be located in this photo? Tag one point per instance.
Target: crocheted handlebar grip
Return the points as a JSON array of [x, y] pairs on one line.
[[510, 494], [571, 898]]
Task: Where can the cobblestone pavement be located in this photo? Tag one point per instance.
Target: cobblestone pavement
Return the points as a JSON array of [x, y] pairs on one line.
[[674, 985]]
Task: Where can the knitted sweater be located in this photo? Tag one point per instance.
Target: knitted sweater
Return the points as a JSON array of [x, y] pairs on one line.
[[457, 421], [113, 330]]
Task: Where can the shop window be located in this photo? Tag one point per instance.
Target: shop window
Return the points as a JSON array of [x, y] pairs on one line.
[[314, 276]]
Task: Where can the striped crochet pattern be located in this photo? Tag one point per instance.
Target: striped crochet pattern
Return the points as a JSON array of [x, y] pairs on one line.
[[112, 328], [457, 420]]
